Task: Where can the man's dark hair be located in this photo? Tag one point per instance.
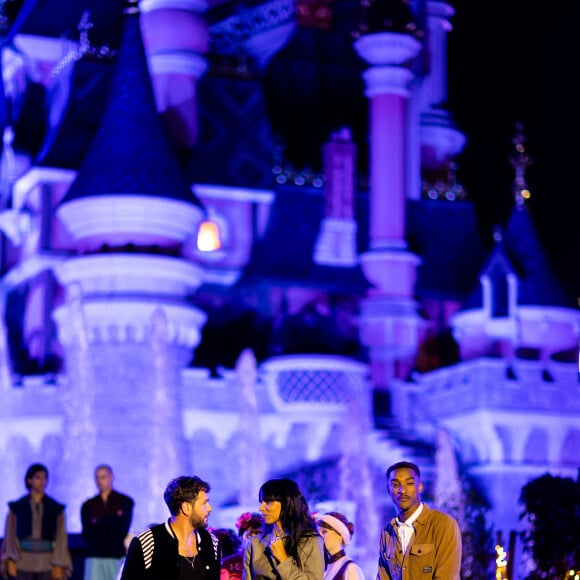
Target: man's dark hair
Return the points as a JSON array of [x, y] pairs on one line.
[[104, 466], [404, 465], [181, 490], [32, 471]]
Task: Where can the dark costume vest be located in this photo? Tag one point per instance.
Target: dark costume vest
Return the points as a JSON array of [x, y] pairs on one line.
[[22, 510]]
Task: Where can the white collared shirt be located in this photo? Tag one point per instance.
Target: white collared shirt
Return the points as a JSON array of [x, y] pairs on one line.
[[406, 529]]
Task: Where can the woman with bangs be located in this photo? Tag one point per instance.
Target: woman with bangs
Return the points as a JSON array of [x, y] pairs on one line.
[[290, 547]]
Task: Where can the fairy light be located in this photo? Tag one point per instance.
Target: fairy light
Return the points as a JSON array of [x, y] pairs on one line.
[[500, 562]]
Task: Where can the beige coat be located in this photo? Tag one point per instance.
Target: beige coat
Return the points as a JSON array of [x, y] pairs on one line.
[[433, 553], [258, 566]]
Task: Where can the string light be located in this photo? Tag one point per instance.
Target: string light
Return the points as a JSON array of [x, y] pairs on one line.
[[500, 562]]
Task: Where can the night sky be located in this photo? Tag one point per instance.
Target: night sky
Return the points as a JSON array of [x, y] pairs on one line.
[[517, 61]]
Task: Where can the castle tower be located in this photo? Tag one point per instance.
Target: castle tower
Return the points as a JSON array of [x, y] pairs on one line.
[[526, 307], [518, 338], [389, 319], [336, 242], [176, 38], [127, 325], [440, 140]]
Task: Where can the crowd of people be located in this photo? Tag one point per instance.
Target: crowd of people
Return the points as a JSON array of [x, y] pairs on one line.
[[282, 540]]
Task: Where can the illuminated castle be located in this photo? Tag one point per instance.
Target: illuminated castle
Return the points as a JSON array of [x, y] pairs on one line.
[[234, 245]]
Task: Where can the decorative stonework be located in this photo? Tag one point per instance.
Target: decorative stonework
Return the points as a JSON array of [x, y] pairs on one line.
[[197, 6], [438, 133], [130, 320], [121, 216], [552, 329], [336, 243], [387, 48], [398, 278], [387, 80], [260, 31], [136, 274], [184, 62], [303, 383], [121, 293]]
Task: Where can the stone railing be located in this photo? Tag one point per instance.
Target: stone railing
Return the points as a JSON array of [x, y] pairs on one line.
[[312, 383], [487, 384], [305, 392]]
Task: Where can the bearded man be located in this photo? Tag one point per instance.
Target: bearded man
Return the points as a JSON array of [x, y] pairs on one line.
[[182, 548]]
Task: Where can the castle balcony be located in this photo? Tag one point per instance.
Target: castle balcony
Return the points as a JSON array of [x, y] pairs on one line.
[[305, 394], [550, 329], [30, 410], [520, 414]]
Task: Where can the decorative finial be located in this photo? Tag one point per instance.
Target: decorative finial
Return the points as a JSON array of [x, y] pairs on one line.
[[520, 162], [84, 49]]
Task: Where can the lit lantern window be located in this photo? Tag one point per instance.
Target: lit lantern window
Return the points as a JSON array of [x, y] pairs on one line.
[[209, 237]]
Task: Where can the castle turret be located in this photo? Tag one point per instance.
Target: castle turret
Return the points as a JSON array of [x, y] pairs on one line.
[[389, 318], [440, 140], [127, 325], [176, 39], [521, 307]]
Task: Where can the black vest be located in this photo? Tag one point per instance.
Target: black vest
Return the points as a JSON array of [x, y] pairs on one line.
[[23, 512]]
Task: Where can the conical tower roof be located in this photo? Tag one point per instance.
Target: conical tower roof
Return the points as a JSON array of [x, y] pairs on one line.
[[131, 152], [520, 251], [538, 284]]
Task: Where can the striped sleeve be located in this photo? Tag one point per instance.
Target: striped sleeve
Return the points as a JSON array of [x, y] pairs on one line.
[[216, 545], [147, 545]]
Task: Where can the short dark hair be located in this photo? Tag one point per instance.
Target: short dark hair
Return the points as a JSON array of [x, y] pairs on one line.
[[104, 466], [32, 471], [182, 490], [404, 465]]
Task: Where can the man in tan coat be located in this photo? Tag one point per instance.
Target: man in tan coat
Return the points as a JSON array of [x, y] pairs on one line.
[[419, 543]]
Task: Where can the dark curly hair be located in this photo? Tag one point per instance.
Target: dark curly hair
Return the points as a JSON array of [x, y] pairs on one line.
[[32, 471], [182, 490], [294, 514]]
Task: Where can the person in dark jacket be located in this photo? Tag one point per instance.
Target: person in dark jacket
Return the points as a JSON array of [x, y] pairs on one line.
[[106, 519], [35, 545], [182, 548]]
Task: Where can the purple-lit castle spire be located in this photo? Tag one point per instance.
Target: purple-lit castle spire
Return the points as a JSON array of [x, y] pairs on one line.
[[128, 326]]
